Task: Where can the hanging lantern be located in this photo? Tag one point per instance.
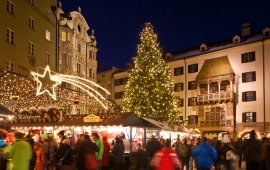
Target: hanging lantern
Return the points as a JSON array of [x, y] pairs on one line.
[[76, 100]]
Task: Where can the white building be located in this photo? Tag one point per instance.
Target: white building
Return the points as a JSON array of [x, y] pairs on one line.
[[220, 86]]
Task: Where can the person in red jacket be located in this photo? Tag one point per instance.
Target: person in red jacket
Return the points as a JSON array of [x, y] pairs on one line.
[[166, 158], [106, 153]]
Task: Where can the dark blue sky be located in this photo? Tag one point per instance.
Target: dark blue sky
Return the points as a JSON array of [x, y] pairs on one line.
[[179, 23]]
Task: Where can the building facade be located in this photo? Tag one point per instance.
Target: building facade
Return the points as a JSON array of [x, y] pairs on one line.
[[220, 87], [77, 57], [28, 35]]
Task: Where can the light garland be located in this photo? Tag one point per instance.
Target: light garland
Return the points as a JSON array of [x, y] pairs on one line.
[[149, 90], [56, 80]]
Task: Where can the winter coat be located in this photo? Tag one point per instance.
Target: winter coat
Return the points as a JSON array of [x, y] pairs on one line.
[[167, 159], [205, 155], [40, 161], [106, 153], [65, 150], [252, 150], [99, 144], [87, 147], [265, 151], [152, 147], [118, 152], [19, 153]]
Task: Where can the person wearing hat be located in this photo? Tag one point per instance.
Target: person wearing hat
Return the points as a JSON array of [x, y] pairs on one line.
[[99, 144], [62, 136], [65, 155], [252, 151], [40, 161], [19, 153], [45, 147]]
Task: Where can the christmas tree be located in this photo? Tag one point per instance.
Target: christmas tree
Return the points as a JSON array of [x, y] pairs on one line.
[[149, 88]]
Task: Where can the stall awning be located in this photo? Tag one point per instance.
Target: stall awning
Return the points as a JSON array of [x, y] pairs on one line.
[[161, 125], [5, 112], [123, 119]]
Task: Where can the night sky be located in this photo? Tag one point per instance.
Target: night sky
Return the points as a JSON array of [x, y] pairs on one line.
[[179, 23]]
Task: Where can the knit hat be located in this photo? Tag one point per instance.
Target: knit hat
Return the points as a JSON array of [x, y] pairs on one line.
[[62, 132], [66, 141], [44, 136]]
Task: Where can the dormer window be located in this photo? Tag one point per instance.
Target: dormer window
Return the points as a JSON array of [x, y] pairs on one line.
[[79, 28], [236, 39], [266, 32], [203, 47]]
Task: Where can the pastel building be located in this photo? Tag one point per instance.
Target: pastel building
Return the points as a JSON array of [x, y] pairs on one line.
[[220, 87]]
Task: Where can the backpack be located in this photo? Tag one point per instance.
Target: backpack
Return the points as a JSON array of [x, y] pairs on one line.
[[183, 151], [166, 162]]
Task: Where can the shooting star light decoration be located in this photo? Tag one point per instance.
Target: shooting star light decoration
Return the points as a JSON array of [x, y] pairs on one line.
[[48, 83]]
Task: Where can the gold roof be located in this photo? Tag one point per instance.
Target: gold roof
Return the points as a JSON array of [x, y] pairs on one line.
[[215, 67]]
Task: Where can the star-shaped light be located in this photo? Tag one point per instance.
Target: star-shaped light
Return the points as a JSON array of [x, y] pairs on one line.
[[46, 83]]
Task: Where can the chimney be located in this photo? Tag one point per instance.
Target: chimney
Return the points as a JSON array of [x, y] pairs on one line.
[[245, 31]]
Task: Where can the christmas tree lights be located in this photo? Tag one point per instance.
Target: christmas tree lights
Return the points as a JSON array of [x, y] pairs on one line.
[[149, 88]]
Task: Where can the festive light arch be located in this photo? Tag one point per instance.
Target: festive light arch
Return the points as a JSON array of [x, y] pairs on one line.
[[52, 81]]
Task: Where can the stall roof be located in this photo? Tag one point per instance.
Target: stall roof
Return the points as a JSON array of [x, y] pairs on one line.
[[161, 125], [124, 119], [5, 111]]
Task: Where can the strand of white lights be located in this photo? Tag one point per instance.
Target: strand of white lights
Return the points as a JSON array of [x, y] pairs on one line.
[[58, 79], [91, 94], [67, 80], [95, 84]]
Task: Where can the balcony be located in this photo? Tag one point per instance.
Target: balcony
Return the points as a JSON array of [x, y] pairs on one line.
[[222, 96]]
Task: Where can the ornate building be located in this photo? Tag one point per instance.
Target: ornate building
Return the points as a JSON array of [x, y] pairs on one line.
[[221, 87], [77, 57]]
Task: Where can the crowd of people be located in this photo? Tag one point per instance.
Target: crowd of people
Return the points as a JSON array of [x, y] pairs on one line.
[[204, 154], [92, 152], [46, 152]]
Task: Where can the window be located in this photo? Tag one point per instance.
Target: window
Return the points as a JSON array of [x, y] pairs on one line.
[[10, 36], [249, 117], [267, 33], [67, 60], [79, 47], [48, 14], [178, 87], [31, 23], [79, 68], [248, 57], [118, 95], [193, 68], [192, 85], [10, 66], [178, 71], [192, 101], [11, 7], [32, 2], [64, 36], [31, 48], [48, 58], [90, 55], [121, 81], [180, 102], [48, 35], [249, 96], [249, 76], [193, 119], [90, 73]]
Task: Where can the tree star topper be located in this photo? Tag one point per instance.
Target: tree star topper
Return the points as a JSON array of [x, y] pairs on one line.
[[46, 83]]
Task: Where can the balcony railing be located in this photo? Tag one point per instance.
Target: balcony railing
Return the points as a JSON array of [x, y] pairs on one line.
[[215, 96]]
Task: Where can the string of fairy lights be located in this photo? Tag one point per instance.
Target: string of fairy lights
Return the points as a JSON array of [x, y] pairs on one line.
[[149, 88], [19, 93]]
